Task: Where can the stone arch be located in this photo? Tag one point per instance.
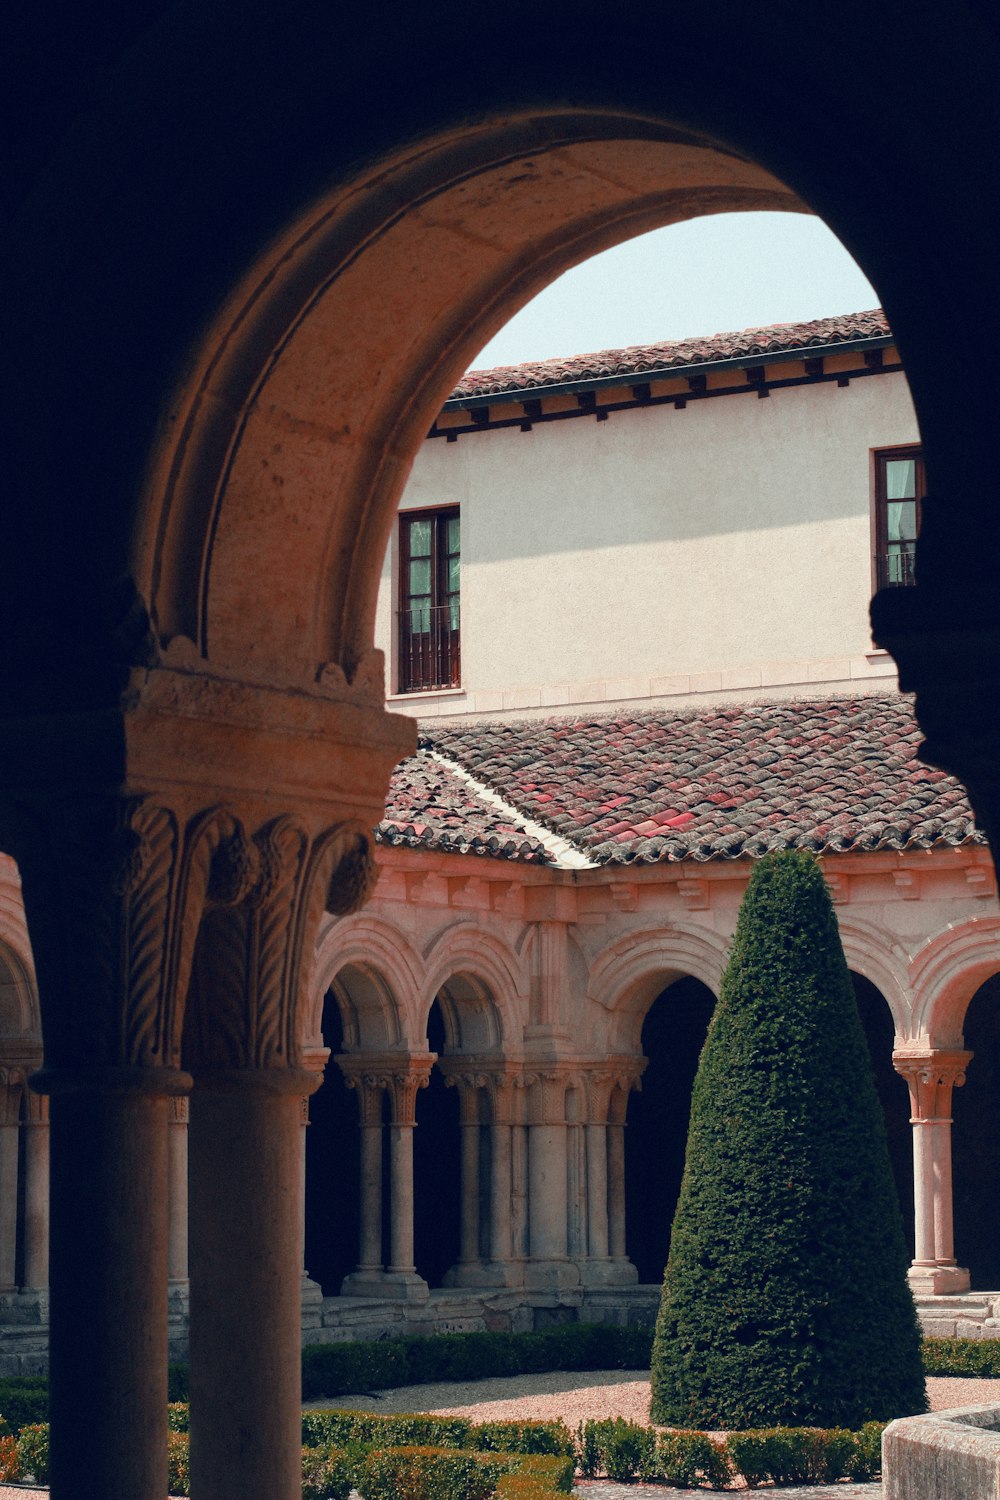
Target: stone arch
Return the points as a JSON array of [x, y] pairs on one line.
[[945, 974], [331, 359], [881, 959], [375, 973], [629, 973], [20, 1018], [481, 986]]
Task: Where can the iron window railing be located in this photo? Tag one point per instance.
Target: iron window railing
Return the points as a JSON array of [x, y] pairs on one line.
[[895, 568], [429, 651]]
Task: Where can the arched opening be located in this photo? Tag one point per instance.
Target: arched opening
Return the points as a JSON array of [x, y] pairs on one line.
[[976, 1142], [673, 1034], [437, 1166], [333, 1190], [877, 1023]]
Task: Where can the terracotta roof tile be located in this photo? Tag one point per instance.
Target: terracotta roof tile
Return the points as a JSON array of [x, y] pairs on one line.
[[429, 807], [642, 359], [834, 775]]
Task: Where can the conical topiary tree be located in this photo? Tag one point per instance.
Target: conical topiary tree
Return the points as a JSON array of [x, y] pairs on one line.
[[785, 1299]]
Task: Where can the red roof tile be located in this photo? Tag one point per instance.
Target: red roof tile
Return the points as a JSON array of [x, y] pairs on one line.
[[643, 359], [723, 782]]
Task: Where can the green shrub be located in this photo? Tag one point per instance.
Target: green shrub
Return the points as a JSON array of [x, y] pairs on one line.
[[806, 1455], [427, 1474], [622, 1450], [328, 1472], [691, 1460], [178, 1417], [24, 1401], [949, 1357], [178, 1462], [347, 1368], [10, 1459], [178, 1385], [867, 1461], [785, 1298], [33, 1451], [405, 1430], [523, 1437], [523, 1487]]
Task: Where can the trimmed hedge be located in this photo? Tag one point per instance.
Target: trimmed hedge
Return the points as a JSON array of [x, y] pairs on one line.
[[24, 1400], [455, 1474], [343, 1369], [785, 1298], [962, 1357]]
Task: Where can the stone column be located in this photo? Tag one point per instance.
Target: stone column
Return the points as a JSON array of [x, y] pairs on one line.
[[248, 993], [931, 1074], [548, 1264], [618, 1105], [36, 1194], [177, 1192], [469, 1271], [369, 1087], [401, 1275], [11, 1091], [312, 1293], [506, 1267], [598, 1269]]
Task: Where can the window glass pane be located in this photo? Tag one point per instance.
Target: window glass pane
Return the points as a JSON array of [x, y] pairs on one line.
[[454, 616], [901, 520], [420, 577], [900, 563], [420, 538], [420, 620], [454, 574], [453, 534], [900, 478]]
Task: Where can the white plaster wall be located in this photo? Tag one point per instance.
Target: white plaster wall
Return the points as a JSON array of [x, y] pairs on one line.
[[734, 533]]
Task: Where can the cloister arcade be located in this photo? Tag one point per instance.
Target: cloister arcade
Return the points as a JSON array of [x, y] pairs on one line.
[[238, 296]]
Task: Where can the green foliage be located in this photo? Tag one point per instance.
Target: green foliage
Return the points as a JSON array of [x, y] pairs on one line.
[[806, 1455], [178, 1385], [405, 1430], [622, 1450], [951, 1357], [178, 1462], [427, 1474], [785, 1298], [178, 1417], [692, 1460], [523, 1437], [348, 1368], [24, 1400], [10, 1459], [33, 1452], [328, 1472]]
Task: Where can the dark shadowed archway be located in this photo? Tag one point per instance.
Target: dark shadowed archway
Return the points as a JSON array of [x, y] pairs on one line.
[[673, 1035], [975, 1142], [877, 1023]]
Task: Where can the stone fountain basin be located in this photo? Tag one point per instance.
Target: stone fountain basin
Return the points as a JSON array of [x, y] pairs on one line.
[[945, 1455]]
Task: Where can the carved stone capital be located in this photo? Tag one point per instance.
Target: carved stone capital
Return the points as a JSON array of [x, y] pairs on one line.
[[931, 1075]]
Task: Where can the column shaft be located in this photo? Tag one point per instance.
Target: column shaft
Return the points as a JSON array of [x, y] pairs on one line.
[[36, 1204], [108, 1296], [501, 1212], [547, 1204], [401, 1185], [616, 1191], [246, 1274], [469, 1228], [370, 1248], [177, 1192], [597, 1191], [8, 1205], [944, 1233]]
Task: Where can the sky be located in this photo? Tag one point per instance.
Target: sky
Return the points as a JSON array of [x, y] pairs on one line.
[[710, 275]]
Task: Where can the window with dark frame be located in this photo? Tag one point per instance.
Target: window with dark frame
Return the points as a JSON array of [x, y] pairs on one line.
[[429, 602], [899, 493]]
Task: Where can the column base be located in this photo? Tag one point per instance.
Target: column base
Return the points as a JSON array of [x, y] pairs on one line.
[[937, 1281], [608, 1273], [399, 1286], [312, 1302], [550, 1275], [485, 1273]]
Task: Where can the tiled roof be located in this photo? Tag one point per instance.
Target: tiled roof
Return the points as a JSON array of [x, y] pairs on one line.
[[643, 358], [429, 807], [717, 783]]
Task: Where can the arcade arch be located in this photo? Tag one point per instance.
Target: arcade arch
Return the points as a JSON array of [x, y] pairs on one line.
[[413, 265]]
